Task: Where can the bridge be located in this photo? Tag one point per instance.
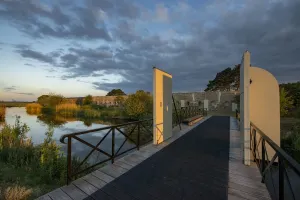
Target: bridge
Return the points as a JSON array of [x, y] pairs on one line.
[[215, 157]]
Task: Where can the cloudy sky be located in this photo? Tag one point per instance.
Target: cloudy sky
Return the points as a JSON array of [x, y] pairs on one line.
[[85, 47]]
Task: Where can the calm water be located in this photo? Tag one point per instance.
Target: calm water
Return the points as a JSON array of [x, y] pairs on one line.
[[39, 124]]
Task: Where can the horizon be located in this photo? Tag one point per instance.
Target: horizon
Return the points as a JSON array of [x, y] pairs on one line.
[[82, 47]]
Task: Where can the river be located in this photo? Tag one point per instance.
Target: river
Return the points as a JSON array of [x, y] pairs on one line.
[[39, 125]]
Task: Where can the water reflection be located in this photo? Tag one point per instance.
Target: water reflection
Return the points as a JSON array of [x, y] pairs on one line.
[[62, 125], [39, 124]]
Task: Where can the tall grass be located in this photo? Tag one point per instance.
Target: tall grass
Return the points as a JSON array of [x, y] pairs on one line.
[[16, 192], [33, 108], [67, 109], [2, 113], [41, 168], [89, 113]]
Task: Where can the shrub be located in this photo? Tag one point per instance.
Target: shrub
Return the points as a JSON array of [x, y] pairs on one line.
[[138, 105], [88, 100], [14, 136]]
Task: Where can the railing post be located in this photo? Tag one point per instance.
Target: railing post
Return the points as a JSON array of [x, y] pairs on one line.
[[69, 160], [281, 178], [113, 145], [263, 159], [138, 136], [254, 143]]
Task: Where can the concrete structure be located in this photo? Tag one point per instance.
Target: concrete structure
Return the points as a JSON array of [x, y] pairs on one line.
[[244, 107], [205, 104], [259, 104], [221, 101], [264, 104], [162, 106], [234, 107], [99, 100]]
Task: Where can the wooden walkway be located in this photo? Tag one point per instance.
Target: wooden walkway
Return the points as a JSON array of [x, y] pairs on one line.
[[200, 162], [244, 181]]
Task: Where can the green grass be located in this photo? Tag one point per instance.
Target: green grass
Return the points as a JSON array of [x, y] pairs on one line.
[[14, 104]]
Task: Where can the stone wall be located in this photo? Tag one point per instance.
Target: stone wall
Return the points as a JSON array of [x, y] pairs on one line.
[[216, 100]]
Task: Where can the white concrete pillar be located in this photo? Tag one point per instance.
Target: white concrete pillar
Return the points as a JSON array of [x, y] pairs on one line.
[[205, 104], [244, 107], [234, 107]]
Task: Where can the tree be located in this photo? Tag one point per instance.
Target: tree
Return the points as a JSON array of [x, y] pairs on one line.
[[43, 100], [226, 80], [115, 92], [138, 105], [50, 100], [293, 90], [286, 102], [88, 100]]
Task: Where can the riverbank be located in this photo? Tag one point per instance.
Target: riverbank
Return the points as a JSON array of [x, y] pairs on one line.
[[27, 170], [13, 104], [85, 112]]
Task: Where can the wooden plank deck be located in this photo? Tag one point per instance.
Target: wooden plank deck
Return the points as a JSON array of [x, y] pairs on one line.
[[199, 162], [195, 166], [244, 181], [86, 187]]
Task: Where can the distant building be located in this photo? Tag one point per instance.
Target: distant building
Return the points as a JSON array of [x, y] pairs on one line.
[[98, 100]]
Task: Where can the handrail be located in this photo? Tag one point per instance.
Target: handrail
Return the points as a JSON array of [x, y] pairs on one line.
[[265, 164], [110, 156], [62, 138], [294, 164]]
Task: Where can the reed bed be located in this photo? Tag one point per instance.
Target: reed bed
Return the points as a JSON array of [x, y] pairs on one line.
[[33, 108], [67, 109], [2, 113]]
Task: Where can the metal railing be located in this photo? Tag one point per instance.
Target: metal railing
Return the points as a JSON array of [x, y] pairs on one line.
[[191, 111], [131, 131], [281, 173]]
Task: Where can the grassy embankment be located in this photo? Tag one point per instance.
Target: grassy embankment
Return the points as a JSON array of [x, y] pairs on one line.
[[290, 136], [27, 170], [74, 110], [13, 104]]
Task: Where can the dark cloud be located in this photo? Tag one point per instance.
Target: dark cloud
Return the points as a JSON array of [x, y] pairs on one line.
[[27, 53], [128, 10], [28, 64], [24, 93], [10, 88], [39, 20], [204, 41], [13, 88]]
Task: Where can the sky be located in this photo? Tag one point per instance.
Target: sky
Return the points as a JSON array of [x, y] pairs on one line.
[[76, 48]]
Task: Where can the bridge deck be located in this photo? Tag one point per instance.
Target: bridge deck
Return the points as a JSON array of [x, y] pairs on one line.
[[194, 165]]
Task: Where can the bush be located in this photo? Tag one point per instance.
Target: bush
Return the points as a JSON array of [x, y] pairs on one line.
[[138, 105]]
